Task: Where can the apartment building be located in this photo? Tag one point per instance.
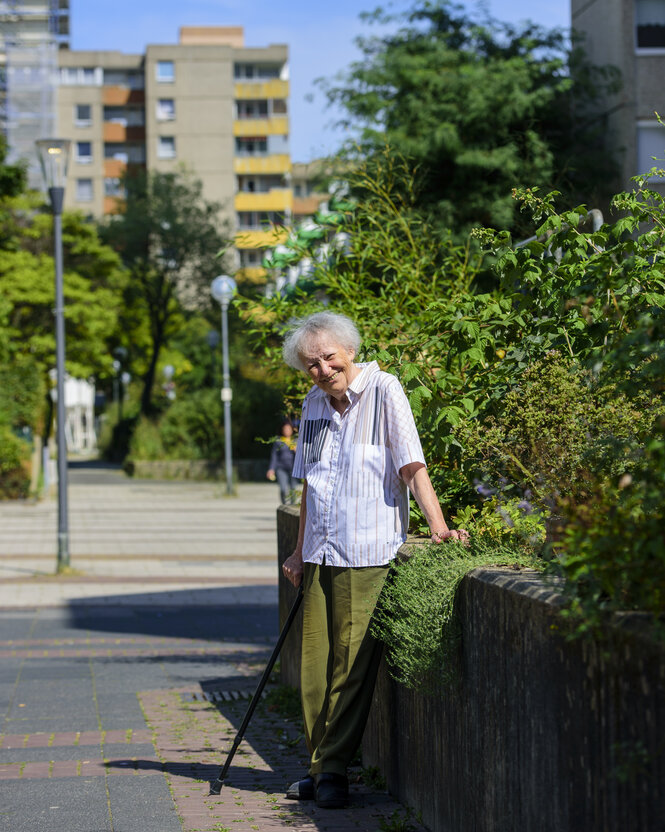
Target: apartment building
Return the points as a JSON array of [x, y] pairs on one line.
[[630, 34], [207, 103]]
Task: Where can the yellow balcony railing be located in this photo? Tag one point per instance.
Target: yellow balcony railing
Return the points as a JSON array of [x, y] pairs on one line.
[[277, 199], [275, 163], [261, 89], [252, 274], [275, 126], [260, 239]]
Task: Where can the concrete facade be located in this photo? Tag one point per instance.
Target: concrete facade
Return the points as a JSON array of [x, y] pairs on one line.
[[630, 34]]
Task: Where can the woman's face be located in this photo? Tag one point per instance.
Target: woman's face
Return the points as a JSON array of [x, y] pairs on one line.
[[329, 365], [287, 430]]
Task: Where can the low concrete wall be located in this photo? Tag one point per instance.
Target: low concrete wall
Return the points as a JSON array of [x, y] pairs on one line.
[[541, 735]]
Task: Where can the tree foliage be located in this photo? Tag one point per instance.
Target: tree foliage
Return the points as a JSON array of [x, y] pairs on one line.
[[169, 238], [92, 282], [479, 107]]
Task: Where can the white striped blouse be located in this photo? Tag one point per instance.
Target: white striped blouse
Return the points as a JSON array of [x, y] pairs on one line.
[[357, 504]]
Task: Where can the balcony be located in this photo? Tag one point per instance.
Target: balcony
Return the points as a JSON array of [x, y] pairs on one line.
[[276, 163], [252, 274], [112, 205], [276, 199], [261, 89], [116, 132], [113, 96], [276, 126], [261, 239], [114, 168]]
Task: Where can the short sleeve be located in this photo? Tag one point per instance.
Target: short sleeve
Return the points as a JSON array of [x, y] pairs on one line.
[[401, 431]]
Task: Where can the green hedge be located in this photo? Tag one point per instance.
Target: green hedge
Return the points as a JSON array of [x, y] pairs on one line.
[[14, 465]]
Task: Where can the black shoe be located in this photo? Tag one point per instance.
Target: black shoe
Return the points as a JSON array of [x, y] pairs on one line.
[[304, 789], [332, 791]]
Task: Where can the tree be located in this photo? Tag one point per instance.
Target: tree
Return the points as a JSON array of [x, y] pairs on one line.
[[13, 178], [479, 108], [170, 238]]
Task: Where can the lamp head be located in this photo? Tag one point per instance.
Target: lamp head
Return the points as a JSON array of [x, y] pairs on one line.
[[223, 288], [54, 160]]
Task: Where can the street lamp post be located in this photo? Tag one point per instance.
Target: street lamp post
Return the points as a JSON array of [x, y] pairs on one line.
[[223, 289], [118, 383], [213, 341], [54, 157]]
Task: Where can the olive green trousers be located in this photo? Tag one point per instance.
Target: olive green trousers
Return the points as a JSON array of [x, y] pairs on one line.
[[340, 660]]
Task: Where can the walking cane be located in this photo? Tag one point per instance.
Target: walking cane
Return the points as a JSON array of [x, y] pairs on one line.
[[216, 785]]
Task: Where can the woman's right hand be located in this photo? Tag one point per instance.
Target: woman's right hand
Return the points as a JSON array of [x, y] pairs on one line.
[[292, 568]]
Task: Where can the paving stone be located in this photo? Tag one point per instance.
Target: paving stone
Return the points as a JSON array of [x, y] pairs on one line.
[[74, 805], [142, 805]]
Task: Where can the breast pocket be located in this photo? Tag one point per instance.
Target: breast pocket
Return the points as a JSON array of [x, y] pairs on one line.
[[365, 472]]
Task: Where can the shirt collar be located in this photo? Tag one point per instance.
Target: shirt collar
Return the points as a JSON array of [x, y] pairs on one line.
[[361, 381], [355, 388]]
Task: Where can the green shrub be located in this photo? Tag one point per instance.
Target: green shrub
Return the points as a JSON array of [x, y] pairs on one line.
[[612, 555], [22, 394], [416, 616], [192, 427], [554, 429], [14, 466]]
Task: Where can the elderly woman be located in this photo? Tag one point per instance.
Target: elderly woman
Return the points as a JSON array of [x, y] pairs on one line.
[[358, 453]]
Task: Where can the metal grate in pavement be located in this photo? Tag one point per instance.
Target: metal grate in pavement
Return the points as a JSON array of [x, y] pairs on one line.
[[217, 695]]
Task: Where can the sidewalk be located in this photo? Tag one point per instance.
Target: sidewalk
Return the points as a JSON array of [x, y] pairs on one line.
[[124, 684]]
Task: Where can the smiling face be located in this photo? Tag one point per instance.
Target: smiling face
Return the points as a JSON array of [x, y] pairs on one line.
[[329, 365]]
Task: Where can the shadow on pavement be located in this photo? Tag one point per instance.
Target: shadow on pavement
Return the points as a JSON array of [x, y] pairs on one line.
[[204, 614]]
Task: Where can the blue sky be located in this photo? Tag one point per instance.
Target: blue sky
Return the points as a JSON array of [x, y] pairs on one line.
[[320, 38]]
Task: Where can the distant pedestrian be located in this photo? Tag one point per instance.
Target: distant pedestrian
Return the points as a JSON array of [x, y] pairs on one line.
[[282, 457]]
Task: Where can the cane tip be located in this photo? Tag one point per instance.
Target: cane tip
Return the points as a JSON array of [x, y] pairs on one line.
[[215, 787]]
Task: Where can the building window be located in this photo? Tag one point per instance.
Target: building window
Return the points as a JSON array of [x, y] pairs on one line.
[[165, 147], [82, 115], [113, 187], [259, 220], [279, 106], [84, 190], [125, 152], [124, 78], [251, 257], [251, 145], [80, 75], [127, 116], [256, 71], [165, 109], [84, 153], [259, 184], [165, 72], [650, 24], [650, 148], [244, 71], [252, 109]]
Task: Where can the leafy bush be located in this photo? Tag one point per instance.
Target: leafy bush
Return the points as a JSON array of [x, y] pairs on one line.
[[557, 426], [416, 615], [22, 392], [613, 552], [14, 466], [191, 428]]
